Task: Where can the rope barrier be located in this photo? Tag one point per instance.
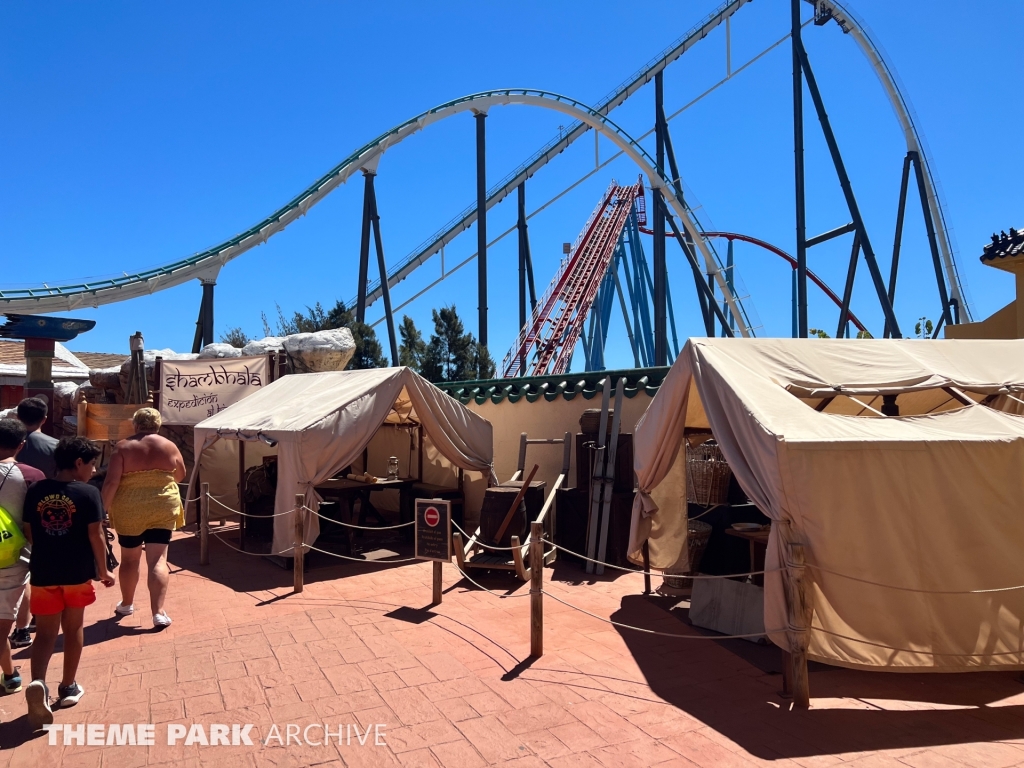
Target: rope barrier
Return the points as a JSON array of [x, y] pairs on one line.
[[362, 527], [470, 579], [662, 573], [286, 552], [486, 546], [912, 589], [246, 514], [666, 634], [909, 650]]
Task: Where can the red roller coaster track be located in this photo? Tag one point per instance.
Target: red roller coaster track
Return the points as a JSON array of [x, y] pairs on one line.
[[781, 254]]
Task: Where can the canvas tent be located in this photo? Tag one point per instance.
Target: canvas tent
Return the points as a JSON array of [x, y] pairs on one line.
[[931, 500], [321, 423]]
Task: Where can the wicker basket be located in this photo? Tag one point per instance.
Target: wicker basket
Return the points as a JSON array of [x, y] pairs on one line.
[[697, 536], [707, 474]]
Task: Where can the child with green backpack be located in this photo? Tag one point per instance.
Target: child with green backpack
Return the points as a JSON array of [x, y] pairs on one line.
[[15, 479]]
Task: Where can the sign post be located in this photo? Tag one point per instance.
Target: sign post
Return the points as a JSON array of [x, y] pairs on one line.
[[434, 536]]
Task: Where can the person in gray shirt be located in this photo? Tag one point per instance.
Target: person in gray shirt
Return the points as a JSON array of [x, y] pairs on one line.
[[39, 448]]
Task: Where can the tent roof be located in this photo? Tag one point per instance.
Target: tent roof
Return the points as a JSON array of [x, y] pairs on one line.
[[788, 385], [285, 408]]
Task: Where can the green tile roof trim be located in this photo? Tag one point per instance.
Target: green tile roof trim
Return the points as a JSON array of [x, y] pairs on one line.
[[567, 386]]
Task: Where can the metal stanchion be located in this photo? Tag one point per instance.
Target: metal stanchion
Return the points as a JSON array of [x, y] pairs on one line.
[[204, 525], [299, 549], [537, 590]]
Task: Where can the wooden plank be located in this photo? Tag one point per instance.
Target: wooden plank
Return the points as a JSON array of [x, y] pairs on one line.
[[537, 591], [517, 560]]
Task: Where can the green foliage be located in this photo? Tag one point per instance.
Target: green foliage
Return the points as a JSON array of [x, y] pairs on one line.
[[923, 328], [817, 333], [235, 337], [368, 354], [864, 335], [413, 348], [453, 354]]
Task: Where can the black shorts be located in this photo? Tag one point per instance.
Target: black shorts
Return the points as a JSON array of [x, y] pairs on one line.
[[149, 536]]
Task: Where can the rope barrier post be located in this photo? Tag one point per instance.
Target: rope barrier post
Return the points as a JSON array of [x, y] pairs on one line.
[[536, 590], [204, 525], [798, 592], [297, 550], [647, 567], [437, 582]]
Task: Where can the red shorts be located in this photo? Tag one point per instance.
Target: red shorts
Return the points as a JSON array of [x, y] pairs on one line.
[[46, 601]]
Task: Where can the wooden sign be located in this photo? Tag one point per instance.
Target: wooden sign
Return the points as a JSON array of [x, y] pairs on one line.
[[192, 390], [434, 530]]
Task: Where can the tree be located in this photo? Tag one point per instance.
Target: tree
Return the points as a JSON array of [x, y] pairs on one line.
[[450, 353], [412, 348], [817, 333], [923, 329], [235, 337], [482, 363], [368, 352]]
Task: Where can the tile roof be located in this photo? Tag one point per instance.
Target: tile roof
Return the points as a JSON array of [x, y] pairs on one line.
[[13, 353], [101, 359], [1004, 245], [566, 386]]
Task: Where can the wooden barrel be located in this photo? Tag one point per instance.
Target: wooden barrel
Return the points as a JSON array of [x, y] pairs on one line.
[[497, 502]]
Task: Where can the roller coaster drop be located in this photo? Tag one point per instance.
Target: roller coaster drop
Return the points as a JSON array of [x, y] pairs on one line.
[[587, 283]]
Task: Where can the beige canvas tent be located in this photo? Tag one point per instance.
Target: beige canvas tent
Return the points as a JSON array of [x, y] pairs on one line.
[[931, 501], [321, 422]]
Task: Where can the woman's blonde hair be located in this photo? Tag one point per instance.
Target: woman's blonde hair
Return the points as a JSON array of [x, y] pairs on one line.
[[147, 420]]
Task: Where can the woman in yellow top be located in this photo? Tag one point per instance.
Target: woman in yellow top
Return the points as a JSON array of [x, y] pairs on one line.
[[141, 496]]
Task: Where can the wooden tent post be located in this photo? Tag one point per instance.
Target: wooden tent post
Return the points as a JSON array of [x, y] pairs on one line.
[[537, 590], [204, 525], [241, 493], [298, 549], [800, 607]]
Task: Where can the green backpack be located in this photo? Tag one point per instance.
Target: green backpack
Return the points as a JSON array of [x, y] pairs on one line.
[[12, 540]]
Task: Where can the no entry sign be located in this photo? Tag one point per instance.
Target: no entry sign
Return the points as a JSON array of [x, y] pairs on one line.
[[434, 530]]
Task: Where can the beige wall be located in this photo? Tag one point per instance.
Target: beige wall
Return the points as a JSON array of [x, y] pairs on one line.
[[1002, 325]]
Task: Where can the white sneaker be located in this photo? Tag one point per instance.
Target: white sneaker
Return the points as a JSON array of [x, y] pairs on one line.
[[161, 619], [124, 610], [38, 697]]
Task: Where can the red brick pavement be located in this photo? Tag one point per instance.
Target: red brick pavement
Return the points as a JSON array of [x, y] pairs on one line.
[[452, 684]]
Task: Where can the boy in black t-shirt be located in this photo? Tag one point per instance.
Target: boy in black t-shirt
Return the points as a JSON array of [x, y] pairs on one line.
[[62, 521]]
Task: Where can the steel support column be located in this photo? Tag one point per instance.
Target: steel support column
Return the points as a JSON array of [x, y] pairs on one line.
[[851, 274], [522, 269], [696, 267], [481, 225], [798, 170], [364, 247], [897, 242], [384, 289], [932, 241], [208, 312], [660, 302], [851, 200], [197, 340]]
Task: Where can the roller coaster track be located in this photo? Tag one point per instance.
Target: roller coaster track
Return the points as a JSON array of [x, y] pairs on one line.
[[558, 318], [206, 264]]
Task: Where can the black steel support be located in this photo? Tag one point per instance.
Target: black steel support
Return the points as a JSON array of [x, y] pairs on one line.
[[384, 288], [522, 269], [364, 248], [851, 273], [709, 318], [208, 313], [897, 242], [851, 200], [826, 236], [481, 226], [701, 285], [798, 169], [660, 269], [932, 241], [197, 341]]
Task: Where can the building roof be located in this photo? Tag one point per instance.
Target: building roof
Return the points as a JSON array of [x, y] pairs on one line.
[[95, 360], [1004, 245], [567, 386]]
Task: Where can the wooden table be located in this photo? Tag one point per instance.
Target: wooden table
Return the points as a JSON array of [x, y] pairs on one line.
[[757, 539], [345, 492]]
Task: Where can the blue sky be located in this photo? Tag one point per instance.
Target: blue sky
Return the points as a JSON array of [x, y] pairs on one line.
[[135, 134]]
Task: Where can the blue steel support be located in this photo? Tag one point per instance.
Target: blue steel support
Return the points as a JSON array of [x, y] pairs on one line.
[[730, 280], [796, 311], [658, 209]]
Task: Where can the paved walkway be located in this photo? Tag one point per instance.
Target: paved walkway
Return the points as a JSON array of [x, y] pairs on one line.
[[451, 684]]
